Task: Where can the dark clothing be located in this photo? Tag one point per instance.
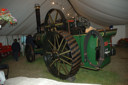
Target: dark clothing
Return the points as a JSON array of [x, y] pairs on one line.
[[30, 40], [15, 50], [16, 46], [15, 55]]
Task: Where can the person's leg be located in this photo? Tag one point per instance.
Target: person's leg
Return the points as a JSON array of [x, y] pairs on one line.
[[13, 54], [16, 55]]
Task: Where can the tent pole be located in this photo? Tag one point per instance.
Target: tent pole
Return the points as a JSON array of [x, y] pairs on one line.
[[73, 7]]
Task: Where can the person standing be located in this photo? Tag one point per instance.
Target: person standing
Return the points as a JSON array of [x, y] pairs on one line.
[[16, 49]]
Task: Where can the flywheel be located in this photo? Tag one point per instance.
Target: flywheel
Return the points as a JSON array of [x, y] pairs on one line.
[[55, 20], [62, 56]]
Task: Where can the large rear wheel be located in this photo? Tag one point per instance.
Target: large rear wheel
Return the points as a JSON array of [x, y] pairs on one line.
[[63, 55]]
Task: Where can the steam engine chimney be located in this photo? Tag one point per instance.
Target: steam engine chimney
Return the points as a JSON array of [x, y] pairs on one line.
[[37, 10]]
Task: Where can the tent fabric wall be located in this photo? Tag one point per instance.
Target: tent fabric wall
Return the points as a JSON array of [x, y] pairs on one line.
[[8, 40], [24, 12], [126, 32], [3, 40], [120, 33], [103, 12], [96, 25]]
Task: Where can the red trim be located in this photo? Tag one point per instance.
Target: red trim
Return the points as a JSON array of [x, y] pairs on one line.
[[70, 20]]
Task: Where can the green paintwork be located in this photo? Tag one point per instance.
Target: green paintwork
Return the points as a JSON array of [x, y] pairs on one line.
[[38, 51], [91, 52], [40, 37], [92, 44]]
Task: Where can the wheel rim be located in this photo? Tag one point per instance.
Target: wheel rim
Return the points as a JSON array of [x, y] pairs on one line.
[[55, 20], [29, 53], [62, 62], [101, 45]]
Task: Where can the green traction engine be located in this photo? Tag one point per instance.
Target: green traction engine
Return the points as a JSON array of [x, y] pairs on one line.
[[65, 51]]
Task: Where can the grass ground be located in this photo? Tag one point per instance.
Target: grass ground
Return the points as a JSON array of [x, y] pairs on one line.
[[115, 73]]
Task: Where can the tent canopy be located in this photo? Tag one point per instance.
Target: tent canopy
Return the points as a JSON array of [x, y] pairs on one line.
[[102, 12]]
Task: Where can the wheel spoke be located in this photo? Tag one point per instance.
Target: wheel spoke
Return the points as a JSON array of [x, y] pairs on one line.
[[64, 47], [66, 57], [64, 70], [59, 67], [65, 61], [56, 16], [54, 42], [51, 19], [59, 24], [65, 52], [53, 62], [56, 64], [51, 44], [57, 40], [60, 44]]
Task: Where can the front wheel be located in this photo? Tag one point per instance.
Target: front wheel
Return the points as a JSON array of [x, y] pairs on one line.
[[29, 52]]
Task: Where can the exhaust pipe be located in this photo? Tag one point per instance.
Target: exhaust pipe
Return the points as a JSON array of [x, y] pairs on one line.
[[37, 10]]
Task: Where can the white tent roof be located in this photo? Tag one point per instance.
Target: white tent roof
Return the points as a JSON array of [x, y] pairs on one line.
[[24, 12], [103, 12]]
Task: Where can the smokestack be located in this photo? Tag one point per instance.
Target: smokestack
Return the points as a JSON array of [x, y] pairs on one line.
[[37, 10]]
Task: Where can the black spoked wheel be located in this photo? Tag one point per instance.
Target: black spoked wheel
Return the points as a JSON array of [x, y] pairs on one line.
[[63, 55], [55, 20], [29, 52]]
